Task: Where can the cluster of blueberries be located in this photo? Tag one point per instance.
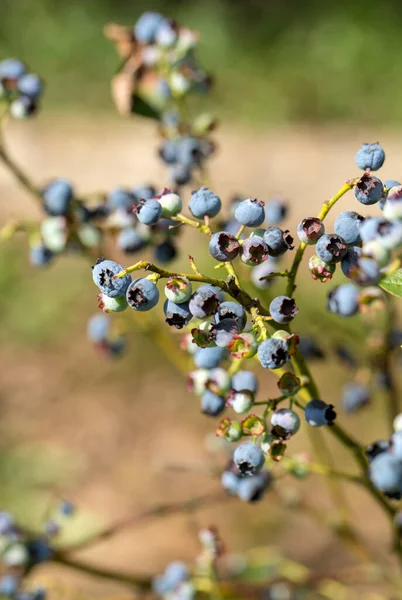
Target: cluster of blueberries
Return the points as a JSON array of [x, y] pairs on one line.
[[168, 59], [218, 328], [19, 89], [21, 551], [385, 458]]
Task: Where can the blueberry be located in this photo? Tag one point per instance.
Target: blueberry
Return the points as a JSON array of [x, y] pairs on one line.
[[178, 289], [40, 256], [310, 349], [130, 240], [209, 358], [310, 230], [318, 413], [103, 274], [6, 523], [373, 227], [393, 205], [189, 152], [355, 396], [245, 381], [166, 35], [30, 85], [250, 212], [120, 198], [365, 272], [283, 309], [57, 197], [251, 489], [165, 252], [223, 246], [275, 211], [254, 251], [147, 26], [370, 156], [278, 241], [143, 192], [148, 211], [331, 248], [231, 310], [350, 259], [142, 294], [180, 174], [343, 300], [11, 68], [177, 315], [230, 482], [248, 458], [273, 353], [23, 107], [168, 152], [204, 302], [386, 473], [98, 328], [170, 202], [8, 585], [224, 331], [369, 190], [212, 404], [347, 226], [376, 448], [285, 422], [204, 203]]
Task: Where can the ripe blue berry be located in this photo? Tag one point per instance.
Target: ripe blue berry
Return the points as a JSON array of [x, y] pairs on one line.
[[343, 300], [130, 240], [178, 289], [142, 294], [40, 256], [231, 310], [250, 212], [369, 190], [285, 422], [148, 211], [180, 174], [189, 151], [224, 331], [254, 251], [386, 473], [245, 381], [365, 272], [350, 259], [204, 302], [283, 309], [355, 396], [147, 26], [177, 315], [223, 246], [103, 274], [310, 230], [204, 203], [248, 458], [273, 353], [318, 413], [30, 85], [57, 197], [275, 211], [278, 241], [347, 226], [212, 404], [120, 198], [331, 248], [230, 482], [209, 358], [168, 152], [11, 68], [165, 252], [370, 156], [251, 489]]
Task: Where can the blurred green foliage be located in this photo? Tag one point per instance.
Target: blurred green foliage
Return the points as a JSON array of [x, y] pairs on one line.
[[275, 61]]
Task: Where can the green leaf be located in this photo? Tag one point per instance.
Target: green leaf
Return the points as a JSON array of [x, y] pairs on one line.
[[143, 109], [393, 283]]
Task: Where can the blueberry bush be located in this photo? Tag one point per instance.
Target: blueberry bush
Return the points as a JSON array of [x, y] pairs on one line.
[[222, 323]]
